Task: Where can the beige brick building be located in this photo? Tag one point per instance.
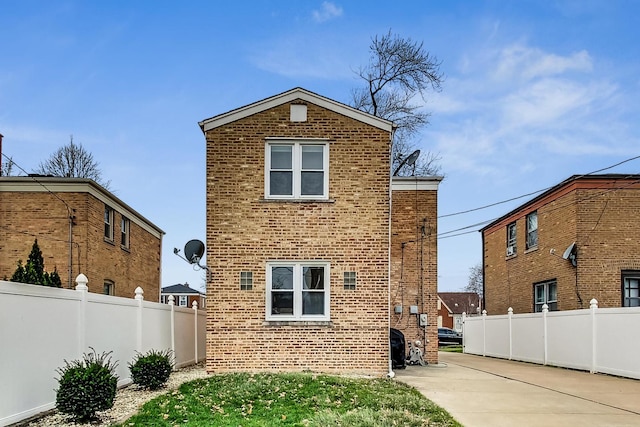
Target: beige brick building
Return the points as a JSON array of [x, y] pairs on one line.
[[113, 245], [576, 241], [298, 237]]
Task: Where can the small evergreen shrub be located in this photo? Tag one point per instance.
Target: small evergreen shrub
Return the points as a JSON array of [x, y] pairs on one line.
[[152, 369], [87, 386]]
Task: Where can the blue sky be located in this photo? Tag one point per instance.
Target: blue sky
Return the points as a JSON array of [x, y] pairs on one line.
[[535, 92]]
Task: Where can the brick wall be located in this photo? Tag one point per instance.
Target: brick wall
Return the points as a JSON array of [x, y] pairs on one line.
[[26, 215], [603, 223], [414, 265], [350, 231]]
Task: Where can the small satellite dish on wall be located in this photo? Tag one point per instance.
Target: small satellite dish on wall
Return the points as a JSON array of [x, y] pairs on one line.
[[193, 251], [571, 253]]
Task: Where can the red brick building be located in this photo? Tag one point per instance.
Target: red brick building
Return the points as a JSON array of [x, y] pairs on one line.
[[81, 228], [298, 237], [576, 241]]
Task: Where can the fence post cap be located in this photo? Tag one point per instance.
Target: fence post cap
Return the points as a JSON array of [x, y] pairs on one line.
[[194, 305], [593, 303], [139, 293], [172, 300], [82, 281], [510, 310], [484, 312], [545, 308]]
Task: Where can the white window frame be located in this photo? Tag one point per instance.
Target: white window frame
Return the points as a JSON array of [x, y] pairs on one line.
[[183, 300], [109, 214], [546, 287], [125, 227], [297, 291], [297, 168], [512, 233], [532, 233]]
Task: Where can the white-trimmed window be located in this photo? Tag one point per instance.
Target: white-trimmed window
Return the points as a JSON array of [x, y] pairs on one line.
[[630, 288], [108, 287], [545, 293], [511, 239], [108, 222], [182, 300], [532, 230], [298, 291], [297, 170], [125, 226]]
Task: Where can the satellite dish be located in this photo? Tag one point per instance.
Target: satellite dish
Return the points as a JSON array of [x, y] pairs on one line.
[[193, 251], [409, 160], [570, 254]]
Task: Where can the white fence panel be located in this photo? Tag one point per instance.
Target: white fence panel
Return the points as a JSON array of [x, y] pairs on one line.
[[495, 327], [528, 338], [569, 339], [111, 326], [184, 321], [33, 347], [41, 327], [617, 341], [598, 339]]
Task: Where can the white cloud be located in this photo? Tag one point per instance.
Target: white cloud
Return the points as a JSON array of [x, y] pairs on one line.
[[328, 11]]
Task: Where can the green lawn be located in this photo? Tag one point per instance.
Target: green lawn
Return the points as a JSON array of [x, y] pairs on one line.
[[243, 399]]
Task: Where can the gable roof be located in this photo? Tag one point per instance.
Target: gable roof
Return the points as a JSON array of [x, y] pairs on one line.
[[458, 302], [297, 93], [180, 289]]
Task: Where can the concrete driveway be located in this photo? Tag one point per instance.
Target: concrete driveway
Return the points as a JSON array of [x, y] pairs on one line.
[[482, 391]]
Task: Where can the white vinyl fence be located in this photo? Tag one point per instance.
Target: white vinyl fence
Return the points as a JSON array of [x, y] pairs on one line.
[[41, 327], [605, 340]]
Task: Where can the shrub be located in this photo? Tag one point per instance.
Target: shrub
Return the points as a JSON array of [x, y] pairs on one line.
[[152, 369], [87, 386]]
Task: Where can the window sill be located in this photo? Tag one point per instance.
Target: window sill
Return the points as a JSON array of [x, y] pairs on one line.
[[125, 248], [109, 241], [304, 323], [297, 200], [533, 249]]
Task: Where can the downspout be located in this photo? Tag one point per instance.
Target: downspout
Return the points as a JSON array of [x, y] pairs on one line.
[[391, 374]]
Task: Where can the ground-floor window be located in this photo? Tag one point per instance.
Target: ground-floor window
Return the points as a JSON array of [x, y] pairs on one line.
[[545, 293], [297, 290], [630, 288]]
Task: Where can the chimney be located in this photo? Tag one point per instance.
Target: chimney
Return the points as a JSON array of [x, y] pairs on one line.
[[186, 284]]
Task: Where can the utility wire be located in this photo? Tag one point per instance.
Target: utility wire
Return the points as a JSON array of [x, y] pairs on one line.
[[535, 192]]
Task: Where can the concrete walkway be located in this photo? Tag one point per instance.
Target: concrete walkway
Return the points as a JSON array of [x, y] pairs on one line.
[[481, 391]]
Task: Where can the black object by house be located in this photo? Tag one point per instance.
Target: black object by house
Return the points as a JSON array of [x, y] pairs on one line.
[[398, 349]]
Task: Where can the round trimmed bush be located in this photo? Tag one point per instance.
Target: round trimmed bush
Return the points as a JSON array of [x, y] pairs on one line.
[[87, 386], [152, 369]]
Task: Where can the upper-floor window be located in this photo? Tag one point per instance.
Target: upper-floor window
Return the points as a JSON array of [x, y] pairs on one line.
[[631, 288], [297, 291], [297, 170], [125, 226], [532, 230], [511, 239], [108, 222], [545, 293], [182, 300]]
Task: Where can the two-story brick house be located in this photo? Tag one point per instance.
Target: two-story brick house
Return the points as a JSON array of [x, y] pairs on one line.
[[81, 228], [576, 241], [298, 237]]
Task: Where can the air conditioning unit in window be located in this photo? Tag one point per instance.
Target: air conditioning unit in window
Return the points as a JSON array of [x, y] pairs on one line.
[[511, 250]]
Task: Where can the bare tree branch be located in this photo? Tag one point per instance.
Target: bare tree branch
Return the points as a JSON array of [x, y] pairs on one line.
[[398, 70], [72, 161]]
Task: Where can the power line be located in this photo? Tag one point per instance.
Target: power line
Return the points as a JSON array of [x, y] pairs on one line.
[[535, 192]]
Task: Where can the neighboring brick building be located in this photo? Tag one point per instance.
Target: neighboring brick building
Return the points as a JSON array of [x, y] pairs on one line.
[[184, 296], [451, 306], [414, 288], [298, 237], [113, 245], [576, 241]]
